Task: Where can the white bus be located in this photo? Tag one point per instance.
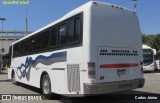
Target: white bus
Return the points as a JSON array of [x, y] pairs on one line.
[[149, 63], [94, 49]]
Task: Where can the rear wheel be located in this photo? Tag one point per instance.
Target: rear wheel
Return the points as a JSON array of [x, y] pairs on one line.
[[46, 86]]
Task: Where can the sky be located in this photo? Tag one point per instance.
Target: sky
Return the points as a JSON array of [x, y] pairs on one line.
[[43, 12]]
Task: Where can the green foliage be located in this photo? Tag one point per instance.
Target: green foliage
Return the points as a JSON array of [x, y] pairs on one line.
[[152, 41]]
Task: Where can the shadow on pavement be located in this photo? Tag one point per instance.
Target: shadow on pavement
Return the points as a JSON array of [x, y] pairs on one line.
[[119, 97], [6, 80], [147, 72], [3, 73]]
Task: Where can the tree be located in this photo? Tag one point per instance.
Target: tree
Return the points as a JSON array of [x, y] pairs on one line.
[[152, 40]]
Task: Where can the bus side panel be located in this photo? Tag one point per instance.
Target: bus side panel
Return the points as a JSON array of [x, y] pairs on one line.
[[9, 73]]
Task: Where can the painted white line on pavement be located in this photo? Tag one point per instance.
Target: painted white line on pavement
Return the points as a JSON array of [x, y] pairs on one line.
[[157, 73]]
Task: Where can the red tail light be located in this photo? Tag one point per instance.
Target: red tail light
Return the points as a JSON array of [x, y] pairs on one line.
[[91, 70]]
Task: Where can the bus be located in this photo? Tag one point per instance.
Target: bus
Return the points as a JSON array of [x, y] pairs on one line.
[[94, 49], [149, 63]]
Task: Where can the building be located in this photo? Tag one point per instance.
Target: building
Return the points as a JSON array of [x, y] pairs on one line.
[[8, 37], [5, 42]]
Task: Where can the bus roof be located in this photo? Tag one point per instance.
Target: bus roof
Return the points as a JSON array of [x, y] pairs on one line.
[[146, 46], [70, 14]]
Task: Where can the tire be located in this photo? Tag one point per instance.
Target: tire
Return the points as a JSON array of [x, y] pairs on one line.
[[14, 79], [46, 86]]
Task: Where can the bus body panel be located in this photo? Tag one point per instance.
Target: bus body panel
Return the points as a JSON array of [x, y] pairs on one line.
[[57, 69], [115, 44]]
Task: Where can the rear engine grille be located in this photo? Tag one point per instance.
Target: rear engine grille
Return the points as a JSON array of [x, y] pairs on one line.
[[73, 77]]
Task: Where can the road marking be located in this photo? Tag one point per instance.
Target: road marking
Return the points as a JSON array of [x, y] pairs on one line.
[[157, 73]]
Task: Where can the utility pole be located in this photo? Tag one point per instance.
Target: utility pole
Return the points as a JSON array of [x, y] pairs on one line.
[[2, 49], [134, 4], [26, 23]]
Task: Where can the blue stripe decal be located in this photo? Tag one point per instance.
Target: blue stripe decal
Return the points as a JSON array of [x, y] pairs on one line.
[[46, 60], [54, 55]]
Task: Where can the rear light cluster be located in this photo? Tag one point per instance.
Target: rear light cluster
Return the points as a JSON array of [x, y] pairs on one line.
[[114, 6], [118, 7], [91, 70]]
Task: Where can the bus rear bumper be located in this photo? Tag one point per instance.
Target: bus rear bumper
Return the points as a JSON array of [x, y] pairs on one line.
[[103, 88]]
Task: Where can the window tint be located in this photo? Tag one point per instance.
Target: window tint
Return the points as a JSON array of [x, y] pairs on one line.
[[10, 56], [39, 42], [26, 46], [45, 40], [17, 49], [71, 31], [66, 34], [62, 34], [33, 43], [74, 30], [77, 29], [53, 40]]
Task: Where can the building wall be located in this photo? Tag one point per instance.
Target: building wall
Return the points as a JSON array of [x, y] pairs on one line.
[[7, 41]]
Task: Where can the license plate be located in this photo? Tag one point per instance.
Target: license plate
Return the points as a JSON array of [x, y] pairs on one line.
[[121, 72]]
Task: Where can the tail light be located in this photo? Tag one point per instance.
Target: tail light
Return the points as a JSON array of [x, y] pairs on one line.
[[91, 70]]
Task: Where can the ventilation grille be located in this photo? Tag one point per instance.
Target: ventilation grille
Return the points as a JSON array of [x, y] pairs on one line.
[[73, 77], [118, 52]]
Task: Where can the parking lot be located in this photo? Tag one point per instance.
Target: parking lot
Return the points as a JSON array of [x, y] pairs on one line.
[[152, 86]]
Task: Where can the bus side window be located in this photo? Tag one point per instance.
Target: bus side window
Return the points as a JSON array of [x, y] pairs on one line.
[[53, 39], [33, 43], [26, 46], [62, 33], [39, 42], [71, 31], [74, 29], [10, 56], [18, 49], [15, 50], [77, 29], [45, 40]]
